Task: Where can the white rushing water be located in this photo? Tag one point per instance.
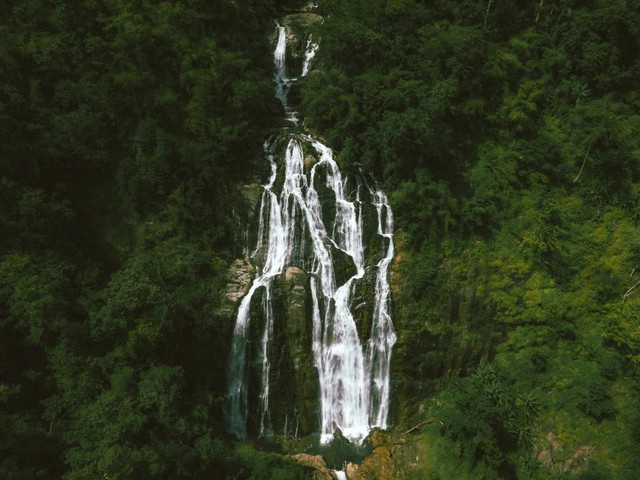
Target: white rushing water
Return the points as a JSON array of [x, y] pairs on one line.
[[354, 378], [383, 336], [309, 53]]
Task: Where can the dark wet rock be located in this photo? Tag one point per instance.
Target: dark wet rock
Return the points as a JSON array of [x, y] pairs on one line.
[[343, 264], [363, 302], [294, 379]]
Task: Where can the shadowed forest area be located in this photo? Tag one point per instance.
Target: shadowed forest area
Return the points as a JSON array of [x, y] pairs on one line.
[[506, 134], [127, 128]]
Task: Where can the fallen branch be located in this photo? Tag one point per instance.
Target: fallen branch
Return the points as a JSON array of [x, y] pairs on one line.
[[630, 290], [51, 426], [486, 16], [583, 162], [539, 9], [420, 425]]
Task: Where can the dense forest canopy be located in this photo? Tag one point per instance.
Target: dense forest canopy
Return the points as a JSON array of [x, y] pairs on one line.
[[507, 134]]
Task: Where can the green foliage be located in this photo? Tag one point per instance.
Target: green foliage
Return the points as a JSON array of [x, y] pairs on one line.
[[594, 399], [486, 419], [507, 135]]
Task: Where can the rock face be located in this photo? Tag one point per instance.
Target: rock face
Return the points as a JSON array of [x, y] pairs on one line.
[[299, 389], [251, 194], [362, 304], [239, 276]]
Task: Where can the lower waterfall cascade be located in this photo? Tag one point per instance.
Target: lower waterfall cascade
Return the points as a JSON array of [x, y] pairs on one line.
[[310, 215]]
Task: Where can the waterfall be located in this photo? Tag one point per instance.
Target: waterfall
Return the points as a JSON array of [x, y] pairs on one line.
[[292, 231], [383, 336]]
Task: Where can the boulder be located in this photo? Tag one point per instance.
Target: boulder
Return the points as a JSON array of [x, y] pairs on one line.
[[351, 470], [295, 277], [316, 463], [309, 161]]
